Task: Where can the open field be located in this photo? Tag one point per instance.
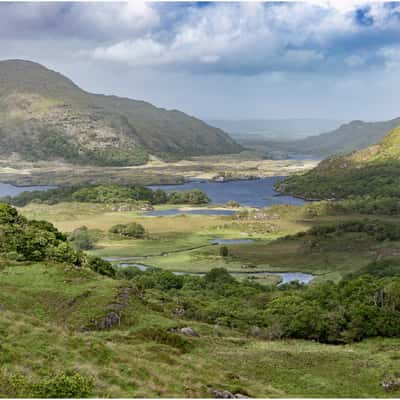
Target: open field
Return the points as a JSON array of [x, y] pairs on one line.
[[44, 306], [242, 165], [183, 243]]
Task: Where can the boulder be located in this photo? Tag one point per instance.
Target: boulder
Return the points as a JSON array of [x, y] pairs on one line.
[[225, 394], [110, 320], [187, 330], [392, 385]]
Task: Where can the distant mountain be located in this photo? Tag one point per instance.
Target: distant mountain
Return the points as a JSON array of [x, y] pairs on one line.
[[44, 116], [280, 129], [348, 137], [373, 171]]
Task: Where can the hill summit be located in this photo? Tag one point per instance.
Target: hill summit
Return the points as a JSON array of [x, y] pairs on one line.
[[45, 116]]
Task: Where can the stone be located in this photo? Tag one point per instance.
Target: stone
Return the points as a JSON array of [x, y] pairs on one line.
[[188, 331], [110, 320], [391, 385], [225, 394]]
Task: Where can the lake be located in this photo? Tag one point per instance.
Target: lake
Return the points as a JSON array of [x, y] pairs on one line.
[[10, 190], [251, 193]]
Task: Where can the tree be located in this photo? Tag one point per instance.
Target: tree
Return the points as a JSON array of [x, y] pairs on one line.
[[81, 239], [223, 251]]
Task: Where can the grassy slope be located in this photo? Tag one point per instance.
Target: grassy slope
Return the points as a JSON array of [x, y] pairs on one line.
[[37, 314], [371, 171]]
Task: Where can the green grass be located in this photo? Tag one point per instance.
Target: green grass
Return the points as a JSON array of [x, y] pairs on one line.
[[186, 239], [41, 337]]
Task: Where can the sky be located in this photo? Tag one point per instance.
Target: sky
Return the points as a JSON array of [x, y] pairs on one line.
[[226, 60]]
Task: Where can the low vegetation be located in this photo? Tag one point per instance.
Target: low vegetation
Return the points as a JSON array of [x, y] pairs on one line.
[[24, 240], [108, 194], [132, 230], [81, 333]]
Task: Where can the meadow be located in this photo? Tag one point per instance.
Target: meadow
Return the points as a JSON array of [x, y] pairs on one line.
[[45, 307], [184, 242]]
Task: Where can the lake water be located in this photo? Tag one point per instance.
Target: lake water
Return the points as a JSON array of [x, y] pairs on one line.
[[231, 241], [252, 193], [10, 190]]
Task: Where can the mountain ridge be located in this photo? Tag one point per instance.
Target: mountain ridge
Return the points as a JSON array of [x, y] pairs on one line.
[[351, 136], [373, 171], [45, 116]]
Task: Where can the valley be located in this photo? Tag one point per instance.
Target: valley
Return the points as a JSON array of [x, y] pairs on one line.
[[199, 200], [244, 165]]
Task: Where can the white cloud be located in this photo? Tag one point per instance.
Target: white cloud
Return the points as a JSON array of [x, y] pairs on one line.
[[246, 35], [354, 60]]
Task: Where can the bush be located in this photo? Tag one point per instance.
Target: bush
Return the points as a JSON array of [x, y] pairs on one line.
[[66, 385], [100, 266], [132, 230], [82, 238], [161, 336], [223, 251], [218, 275], [194, 197]]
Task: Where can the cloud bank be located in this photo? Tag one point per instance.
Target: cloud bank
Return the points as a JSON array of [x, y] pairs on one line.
[[313, 47]]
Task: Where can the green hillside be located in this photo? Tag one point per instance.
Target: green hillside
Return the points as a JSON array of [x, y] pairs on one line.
[[72, 329], [45, 116], [348, 137], [373, 171]]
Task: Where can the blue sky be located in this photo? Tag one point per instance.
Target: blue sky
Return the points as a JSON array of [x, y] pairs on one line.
[[317, 59]]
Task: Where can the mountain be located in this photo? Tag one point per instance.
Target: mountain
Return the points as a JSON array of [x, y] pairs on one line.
[[44, 116], [277, 129], [348, 137], [373, 171]]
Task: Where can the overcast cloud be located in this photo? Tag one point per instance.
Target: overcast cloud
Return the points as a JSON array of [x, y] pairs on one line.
[[221, 60]]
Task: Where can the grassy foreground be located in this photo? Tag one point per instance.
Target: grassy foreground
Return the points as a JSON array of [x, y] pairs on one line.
[[45, 307]]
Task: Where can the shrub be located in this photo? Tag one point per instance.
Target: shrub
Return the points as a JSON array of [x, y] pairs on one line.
[[132, 230], [218, 275], [65, 385], [161, 336], [82, 238], [223, 251], [100, 266]]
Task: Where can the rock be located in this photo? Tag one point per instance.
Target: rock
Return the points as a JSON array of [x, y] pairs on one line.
[[246, 266], [225, 394], [110, 320], [392, 385], [187, 330], [221, 394]]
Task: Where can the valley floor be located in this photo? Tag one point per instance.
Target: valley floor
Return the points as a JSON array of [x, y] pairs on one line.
[[155, 172], [184, 242]]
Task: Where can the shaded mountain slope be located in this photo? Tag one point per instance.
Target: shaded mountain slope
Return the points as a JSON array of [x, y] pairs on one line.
[[348, 137], [44, 115]]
